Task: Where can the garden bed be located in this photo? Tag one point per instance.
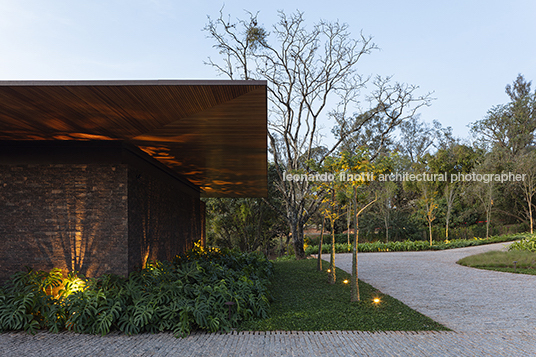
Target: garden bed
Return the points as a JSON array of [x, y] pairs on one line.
[[204, 289], [416, 245]]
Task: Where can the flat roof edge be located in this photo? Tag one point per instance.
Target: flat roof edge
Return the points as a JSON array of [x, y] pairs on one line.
[[135, 82]]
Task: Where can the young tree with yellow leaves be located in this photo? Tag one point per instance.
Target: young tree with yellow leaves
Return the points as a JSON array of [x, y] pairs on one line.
[[319, 264], [332, 212], [351, 174], [356, 172], [329, 193]]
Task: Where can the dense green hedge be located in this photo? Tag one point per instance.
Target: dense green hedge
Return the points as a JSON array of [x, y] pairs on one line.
[[455, 233], [415, 245], [180, 296], [479, 231]]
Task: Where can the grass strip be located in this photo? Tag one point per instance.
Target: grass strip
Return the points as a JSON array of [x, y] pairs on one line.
[[303, 300], [525, 261]]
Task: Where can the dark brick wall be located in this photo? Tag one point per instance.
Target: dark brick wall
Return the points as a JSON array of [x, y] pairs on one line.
[[92, 207], [164, 217], [68, 216]]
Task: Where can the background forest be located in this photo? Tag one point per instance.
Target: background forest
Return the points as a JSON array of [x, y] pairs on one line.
[[502, 142]]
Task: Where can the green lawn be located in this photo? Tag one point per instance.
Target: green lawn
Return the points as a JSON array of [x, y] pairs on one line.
[[303, 300], [503, 261]]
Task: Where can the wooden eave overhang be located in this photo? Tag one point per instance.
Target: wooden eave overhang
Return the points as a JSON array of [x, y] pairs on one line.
[[212, 132]]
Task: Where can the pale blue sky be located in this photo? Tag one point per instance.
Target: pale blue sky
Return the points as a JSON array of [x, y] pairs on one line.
[[464, 51]]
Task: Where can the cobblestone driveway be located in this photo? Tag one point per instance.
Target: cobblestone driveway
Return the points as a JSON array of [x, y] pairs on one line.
[[461, 298], [491, 314]]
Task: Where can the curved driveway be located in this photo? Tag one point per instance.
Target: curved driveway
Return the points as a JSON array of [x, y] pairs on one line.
[[463, 299], [491, 313]]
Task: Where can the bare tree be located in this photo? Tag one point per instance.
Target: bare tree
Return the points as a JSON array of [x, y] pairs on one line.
[[484, 191], [429, 204], [311, 72], [418, 137], [526, 165], [386, 194], [450, 195], [354, 290]]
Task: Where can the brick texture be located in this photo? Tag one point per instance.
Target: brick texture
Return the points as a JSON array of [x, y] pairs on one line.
[[94, 218], [164, 216], [72, 217]]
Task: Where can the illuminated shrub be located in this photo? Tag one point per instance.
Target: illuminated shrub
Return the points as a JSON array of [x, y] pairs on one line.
[[187, 294]]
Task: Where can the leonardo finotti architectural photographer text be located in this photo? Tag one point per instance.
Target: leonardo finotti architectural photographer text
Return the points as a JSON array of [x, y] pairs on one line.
[[369, 176]]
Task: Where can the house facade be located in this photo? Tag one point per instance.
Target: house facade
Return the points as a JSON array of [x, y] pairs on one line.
[[102, 176]]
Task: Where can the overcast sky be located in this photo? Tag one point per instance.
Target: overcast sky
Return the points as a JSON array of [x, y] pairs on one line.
[[463, 51]]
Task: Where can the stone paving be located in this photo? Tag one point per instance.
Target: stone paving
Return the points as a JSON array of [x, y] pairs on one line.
[[461, 298], [328, 343], [491, 314]]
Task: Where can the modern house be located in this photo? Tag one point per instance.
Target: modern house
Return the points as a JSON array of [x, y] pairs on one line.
[[102, 176]]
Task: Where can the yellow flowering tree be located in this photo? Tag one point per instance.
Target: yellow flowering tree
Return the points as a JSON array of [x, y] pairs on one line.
[[351, 173], [329, 190], [356, 172]]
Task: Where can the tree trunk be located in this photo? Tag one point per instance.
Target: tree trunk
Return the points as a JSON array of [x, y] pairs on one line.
[[430, 230], [386, 221], [332, 276], [354, 292], [487, 223], [348, 226], [297, 240], [488, 213], [530, 216], [449, 193], [319, 265]]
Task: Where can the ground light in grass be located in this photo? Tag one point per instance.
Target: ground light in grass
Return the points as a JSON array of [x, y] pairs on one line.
[[303, 300]]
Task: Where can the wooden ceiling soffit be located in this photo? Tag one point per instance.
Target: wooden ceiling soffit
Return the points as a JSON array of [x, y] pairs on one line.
[[101, 111], [212, 132], [221, 149]]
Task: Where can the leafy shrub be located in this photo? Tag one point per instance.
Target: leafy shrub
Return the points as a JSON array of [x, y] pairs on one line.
[[340, 238], [528, 244], [189, 293], [479, 230], [411, 233], [415, 245]]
